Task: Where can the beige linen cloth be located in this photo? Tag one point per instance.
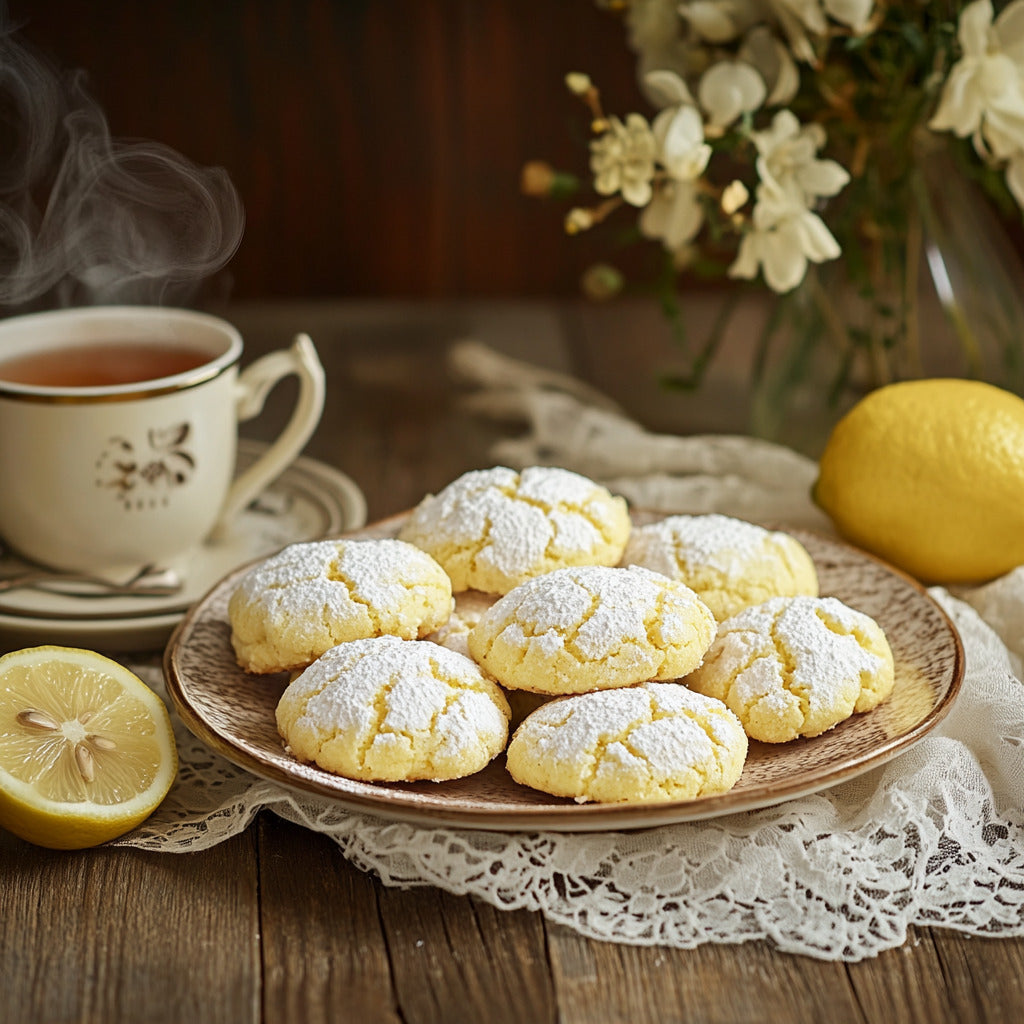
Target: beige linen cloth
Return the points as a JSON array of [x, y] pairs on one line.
[[933, 838]]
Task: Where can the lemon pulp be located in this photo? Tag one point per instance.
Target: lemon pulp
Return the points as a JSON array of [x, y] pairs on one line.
[[86, 748]]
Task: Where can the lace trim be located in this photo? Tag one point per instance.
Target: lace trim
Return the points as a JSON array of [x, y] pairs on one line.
[[932, 838]]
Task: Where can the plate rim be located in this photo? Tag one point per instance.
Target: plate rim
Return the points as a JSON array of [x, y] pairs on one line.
[[402, 805]]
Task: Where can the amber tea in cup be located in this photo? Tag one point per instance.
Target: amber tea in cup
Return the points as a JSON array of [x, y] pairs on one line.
[[101, 364]]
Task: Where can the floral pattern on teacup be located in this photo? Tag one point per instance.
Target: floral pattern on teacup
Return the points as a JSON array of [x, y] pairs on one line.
[[141, 475]]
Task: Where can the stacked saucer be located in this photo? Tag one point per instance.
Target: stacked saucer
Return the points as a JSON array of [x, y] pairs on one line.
[[308, 500]]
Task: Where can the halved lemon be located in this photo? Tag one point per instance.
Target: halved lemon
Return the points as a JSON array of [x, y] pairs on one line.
[[86, 748]]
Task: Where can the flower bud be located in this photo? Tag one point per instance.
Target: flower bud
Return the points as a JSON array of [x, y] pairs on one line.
[[541, 181], [579, 84], [684, 257], [734, 196], [601, 282], [536, 178], [577, 220]]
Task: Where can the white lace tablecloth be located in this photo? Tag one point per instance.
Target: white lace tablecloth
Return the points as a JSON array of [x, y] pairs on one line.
[[934, 838]]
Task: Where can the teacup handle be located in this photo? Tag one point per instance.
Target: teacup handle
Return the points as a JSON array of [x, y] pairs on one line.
[[254, 384]]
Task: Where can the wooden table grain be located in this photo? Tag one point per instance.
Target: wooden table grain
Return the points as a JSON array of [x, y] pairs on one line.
[[275, 925]]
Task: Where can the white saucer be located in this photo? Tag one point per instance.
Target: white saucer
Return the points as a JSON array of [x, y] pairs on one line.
[[308, 500]]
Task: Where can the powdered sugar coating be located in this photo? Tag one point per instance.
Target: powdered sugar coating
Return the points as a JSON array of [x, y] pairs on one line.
[[492, 529], [310, 596], [646, 743], [592, 628], [796, 666], [386, 709], [730, 563]]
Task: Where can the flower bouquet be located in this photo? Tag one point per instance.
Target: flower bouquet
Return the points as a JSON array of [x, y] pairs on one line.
[[829, 149]]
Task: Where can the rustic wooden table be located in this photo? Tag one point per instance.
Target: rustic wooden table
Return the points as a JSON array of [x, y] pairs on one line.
[[275, 925]]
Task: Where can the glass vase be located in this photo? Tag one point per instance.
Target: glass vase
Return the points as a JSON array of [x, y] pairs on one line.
[[938, 294]]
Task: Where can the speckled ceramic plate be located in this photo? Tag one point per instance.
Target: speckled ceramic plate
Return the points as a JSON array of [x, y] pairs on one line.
[[234, 714]]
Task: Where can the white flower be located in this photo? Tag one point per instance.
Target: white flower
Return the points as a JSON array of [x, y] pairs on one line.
[[667, 88], [808, 12], [718, 21], [1015, 177], [983, 95], [785, 235], [681, 149], [773, 61], [622, 159], [854, 13], [653, 24], [674, 214], [728, 89], [657, 34], [797, 17], [788, 154]]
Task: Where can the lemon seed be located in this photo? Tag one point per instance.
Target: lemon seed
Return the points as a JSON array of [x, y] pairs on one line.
[[36, 719], [86, 765]]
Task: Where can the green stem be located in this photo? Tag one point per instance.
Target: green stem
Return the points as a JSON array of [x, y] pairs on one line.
[[780, 311], [700, 363], [827, 309], [911, 292]]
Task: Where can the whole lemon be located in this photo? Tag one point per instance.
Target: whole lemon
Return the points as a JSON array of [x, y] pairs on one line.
[[929, 475]]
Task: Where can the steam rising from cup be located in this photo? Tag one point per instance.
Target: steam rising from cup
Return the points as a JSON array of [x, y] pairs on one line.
[[89, 219]]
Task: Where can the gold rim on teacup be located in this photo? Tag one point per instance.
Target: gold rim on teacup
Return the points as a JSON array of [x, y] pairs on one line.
[[88, 321]]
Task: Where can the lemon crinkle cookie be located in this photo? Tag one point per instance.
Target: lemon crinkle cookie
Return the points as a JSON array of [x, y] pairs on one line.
[[492, 529], [390, 710], [646, 743], [291, 608], [796, 666], [592, 628], [730, 563]]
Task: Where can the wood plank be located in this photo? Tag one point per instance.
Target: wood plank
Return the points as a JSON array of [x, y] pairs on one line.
[[713, 984], [376, 147], [117, 934], [324, 953], [983, 979], [456, 959], [905, 984]]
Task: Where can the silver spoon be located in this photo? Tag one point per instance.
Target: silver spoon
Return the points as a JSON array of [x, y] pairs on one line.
[[149, 581]]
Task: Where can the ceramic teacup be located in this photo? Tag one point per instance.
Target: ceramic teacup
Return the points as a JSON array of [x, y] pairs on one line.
[[119, 428]]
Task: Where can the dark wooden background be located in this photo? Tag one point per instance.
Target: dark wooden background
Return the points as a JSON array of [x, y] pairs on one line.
[[376, 144]]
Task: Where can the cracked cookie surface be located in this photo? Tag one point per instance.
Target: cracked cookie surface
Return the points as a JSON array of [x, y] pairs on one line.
[[592, 628], [492, 529], [796, 666], [647, 743], [730, 563], [310, 596], [389, 710]]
